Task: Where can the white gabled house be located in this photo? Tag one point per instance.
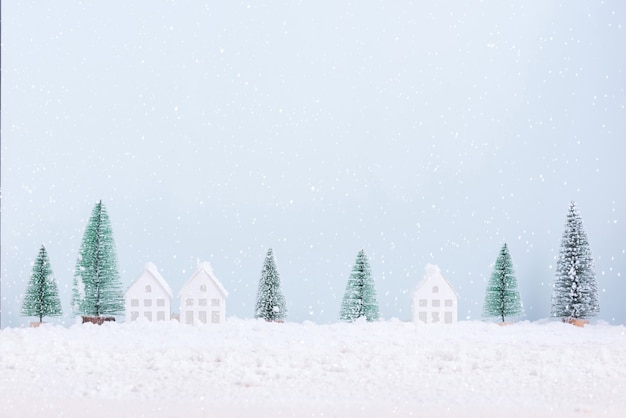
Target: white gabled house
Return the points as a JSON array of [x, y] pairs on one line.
[[434, 300], [149, 296], [203, 298]]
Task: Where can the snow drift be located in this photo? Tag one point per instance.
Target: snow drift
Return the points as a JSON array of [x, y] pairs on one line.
[[255, 368]]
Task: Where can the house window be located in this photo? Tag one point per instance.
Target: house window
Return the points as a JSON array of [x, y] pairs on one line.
[[436, 303], [435, 317], [148, 315], [147, 302], [148, 288], [134, 315], [202, 302], [435, 289], [448, 303], [161, 302], [215, 302], [447, 317], [423, 303], [203, 288], [189, 302], [215, 317], [423, 317], [202, 316], [134, 302], [161, 316]]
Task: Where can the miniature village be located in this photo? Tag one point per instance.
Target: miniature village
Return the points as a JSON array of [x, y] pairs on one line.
[[97, 294]]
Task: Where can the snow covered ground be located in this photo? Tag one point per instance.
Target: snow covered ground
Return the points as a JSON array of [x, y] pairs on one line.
[[253, 368]]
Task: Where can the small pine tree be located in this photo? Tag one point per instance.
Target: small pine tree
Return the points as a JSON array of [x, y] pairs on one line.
[[97, 287], [359, 299], [270, 304], [42, 294], [503, 298], [575, 290]]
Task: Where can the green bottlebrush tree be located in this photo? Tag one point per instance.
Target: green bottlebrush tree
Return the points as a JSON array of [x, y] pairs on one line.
[[359, 299], [575, 291], [42, 294], [97, 289], [503, 298], [270, 304]]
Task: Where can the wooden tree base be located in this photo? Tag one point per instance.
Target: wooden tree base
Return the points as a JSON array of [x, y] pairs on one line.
[[99, 320], [577, 322], [35, 324], [504, 324]]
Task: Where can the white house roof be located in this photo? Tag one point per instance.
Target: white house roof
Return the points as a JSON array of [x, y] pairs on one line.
[[206, 267], [433, 271], [154, 272]]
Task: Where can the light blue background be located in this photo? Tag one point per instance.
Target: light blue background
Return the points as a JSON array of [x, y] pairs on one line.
[[423, 132]]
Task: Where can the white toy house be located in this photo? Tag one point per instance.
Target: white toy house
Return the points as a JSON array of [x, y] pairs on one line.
[[435, 300], [203, 298], [149, 296]]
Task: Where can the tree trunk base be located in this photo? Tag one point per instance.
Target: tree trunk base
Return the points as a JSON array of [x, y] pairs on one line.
[[577, 322], [504, 324], [35, 324], [98, 320]]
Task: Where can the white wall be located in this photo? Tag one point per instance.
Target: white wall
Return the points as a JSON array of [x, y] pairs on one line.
[[202, 301], [435, 301], [147, 299]]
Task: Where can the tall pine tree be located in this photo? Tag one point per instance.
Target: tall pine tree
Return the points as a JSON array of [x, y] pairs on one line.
[[42, 294], [359, 299], [575, 291], [270, 304], [97, 287], [502, 298]]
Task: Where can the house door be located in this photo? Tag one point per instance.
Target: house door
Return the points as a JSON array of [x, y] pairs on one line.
[[434, 317], [189, 317]]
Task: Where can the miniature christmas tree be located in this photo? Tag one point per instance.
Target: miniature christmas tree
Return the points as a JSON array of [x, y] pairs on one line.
[[575, 291], [97, 288], [359, 299], [270, 303], [42, 295], [502, 298]]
